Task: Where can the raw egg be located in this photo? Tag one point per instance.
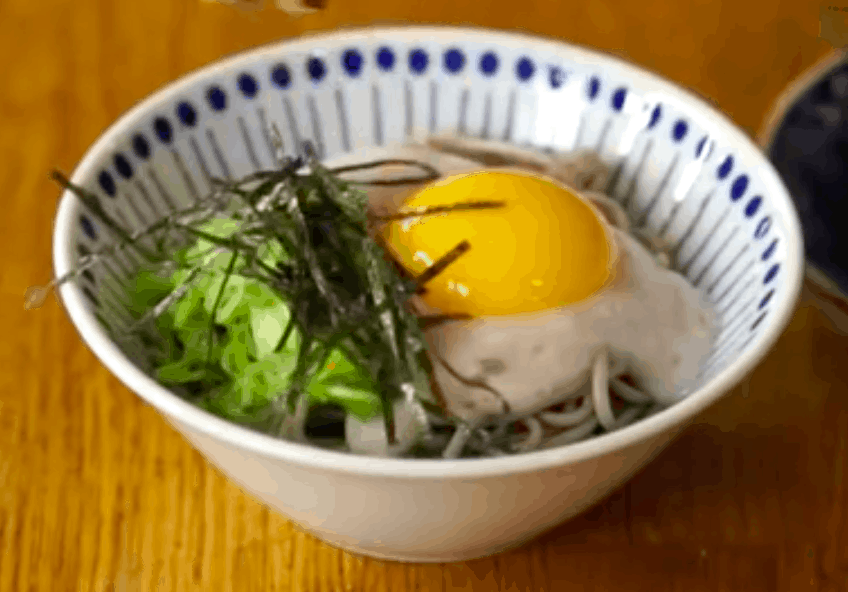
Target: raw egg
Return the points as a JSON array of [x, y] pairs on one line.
[[532, 244]]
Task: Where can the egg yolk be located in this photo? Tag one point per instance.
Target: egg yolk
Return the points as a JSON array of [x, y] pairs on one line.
[[543, 247]]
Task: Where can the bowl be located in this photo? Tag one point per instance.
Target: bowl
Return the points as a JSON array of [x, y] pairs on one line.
[[678, 160], [805, 135]]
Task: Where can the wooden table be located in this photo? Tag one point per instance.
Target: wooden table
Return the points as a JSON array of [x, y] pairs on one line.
[[98, 493]]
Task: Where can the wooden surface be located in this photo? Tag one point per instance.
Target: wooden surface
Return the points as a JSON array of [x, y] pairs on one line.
[[97, 493]]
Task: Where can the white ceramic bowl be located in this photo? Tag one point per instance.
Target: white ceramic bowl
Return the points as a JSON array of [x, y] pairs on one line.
[[677, 159]]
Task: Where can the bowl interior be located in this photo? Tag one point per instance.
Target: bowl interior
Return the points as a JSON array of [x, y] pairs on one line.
[[678, 164]]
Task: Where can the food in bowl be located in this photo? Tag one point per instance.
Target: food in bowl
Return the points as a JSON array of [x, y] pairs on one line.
[[473, 311]]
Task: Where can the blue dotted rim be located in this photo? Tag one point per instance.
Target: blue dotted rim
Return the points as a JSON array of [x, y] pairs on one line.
[[453, 61]]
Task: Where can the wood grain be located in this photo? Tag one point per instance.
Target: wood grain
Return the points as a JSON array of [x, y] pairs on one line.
[[98, 493]]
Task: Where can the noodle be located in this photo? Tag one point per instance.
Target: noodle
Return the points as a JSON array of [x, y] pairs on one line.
[[569, 419], [600, 391], [532, 440]]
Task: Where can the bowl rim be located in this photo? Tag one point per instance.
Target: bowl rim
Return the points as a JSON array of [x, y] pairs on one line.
[[795, 90], [188, 416]]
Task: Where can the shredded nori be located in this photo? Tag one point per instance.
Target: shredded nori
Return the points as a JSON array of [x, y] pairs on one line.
[[343, 291]]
